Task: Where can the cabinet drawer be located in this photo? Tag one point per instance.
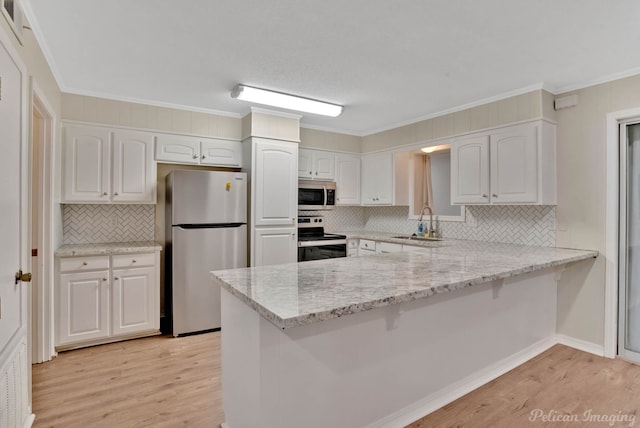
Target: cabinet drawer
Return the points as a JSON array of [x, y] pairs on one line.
[[134, 260], [386, 247], [366, 244], [68, 264]]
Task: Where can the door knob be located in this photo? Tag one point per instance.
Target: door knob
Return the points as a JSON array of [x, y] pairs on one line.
[[22, 277]]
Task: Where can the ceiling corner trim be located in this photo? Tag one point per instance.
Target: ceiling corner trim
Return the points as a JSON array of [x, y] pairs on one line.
[[499, 97], [332, 130], [154, 103], [598, 81], [44, 47]]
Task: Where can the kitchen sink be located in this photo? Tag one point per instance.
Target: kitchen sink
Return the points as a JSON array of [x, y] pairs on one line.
[[418, 238]]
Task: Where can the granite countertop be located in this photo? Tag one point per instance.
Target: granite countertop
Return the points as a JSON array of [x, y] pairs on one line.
[[99, 249], [297, 294], [391, 237]]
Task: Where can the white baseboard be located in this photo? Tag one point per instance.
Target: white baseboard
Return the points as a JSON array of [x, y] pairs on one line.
[[29, 422], [456, 390], [582, 345]]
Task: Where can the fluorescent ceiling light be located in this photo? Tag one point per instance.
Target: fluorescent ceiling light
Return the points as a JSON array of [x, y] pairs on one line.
[[436, 148], [291, 102]]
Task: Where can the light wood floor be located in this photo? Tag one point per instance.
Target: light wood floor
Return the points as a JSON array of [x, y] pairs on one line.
[[166, 382], [153, 382], [560, 381]]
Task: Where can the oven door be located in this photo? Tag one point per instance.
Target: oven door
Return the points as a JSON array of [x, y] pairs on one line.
[[308, 251]]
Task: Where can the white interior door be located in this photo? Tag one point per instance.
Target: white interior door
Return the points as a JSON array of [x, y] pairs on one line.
[[15, 409]]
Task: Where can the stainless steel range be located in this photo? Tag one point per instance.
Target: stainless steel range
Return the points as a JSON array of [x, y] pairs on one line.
[[314, 244]]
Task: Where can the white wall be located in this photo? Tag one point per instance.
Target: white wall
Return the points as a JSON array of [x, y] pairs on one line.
[[581, 136]]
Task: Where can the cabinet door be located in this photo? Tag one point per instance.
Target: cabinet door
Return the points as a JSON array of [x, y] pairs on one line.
[[305, 164], [377, 179], [136, 306], [470, 171], [514, 165], [347, 180], [324, 165], [133, 169], [86, 165], [220, 152], [274, 246], [83, 307], [179, 149], [276, 183]]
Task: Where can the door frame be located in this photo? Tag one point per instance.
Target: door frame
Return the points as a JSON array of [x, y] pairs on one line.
[[612, 238], [42, 307]]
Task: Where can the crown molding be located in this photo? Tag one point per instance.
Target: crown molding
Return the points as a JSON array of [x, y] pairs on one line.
[[332, 130], [275, 113], [598, 81]]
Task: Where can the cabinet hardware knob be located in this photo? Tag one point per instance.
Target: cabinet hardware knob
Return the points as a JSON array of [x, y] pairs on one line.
[[133, 261], [115, 194], [84, 263], [104, 194], [494, 195], [485, 196], [203, 157], [195, 156], [316, 172], [104, 279], [116, 278], [310, 173]]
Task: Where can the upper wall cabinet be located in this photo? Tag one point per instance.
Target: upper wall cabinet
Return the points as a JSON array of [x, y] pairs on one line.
[[198, 151], [512, 165], [104, 166], [385, 179], [316, 165], [347, 179]]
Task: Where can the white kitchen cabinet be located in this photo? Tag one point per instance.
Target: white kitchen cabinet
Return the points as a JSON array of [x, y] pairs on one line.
[[83, 302], [367, 247], [316, 165], [271, 167], [512, 165], [198, 151], [133, 169], [103, 299], [108, 166], [347, 179], [86, 154], [352, 247], [135, 301], [387, 247], [275, 245], [470, 170], [275, 182], [385, 179]]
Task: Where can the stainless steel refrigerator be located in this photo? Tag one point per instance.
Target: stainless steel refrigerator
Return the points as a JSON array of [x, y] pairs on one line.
[[206, 217]]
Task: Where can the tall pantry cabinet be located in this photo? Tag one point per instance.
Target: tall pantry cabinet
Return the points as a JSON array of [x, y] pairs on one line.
[[272, 170]]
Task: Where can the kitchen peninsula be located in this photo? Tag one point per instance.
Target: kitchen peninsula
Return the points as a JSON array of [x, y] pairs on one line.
[[382, 340]]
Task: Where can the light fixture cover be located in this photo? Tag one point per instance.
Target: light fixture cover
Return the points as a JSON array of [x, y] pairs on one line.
[[432, 149], [291, 102]]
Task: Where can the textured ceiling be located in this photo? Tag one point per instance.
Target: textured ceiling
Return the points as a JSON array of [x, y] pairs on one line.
[[388, 62]]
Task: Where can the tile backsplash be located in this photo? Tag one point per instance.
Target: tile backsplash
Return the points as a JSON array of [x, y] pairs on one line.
[[86, 224], [516, 224]]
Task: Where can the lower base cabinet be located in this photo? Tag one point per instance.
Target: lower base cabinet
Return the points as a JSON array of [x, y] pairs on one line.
[[99, 302], [274, 245]]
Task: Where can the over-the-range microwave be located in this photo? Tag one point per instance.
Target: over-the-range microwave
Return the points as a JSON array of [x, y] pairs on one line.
[[316, 195]]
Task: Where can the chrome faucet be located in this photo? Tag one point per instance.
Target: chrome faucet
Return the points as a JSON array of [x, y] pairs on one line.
[[430, 231]]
